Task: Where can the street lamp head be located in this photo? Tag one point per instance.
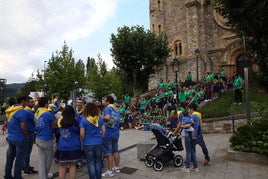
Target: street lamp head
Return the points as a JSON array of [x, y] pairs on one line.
[[175, 65], [197, 52]]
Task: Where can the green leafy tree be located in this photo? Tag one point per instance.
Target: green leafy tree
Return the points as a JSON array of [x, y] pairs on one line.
[[97, 78], [138, 51], [249, 18], [63, 74], [102, 81], [30, 85]]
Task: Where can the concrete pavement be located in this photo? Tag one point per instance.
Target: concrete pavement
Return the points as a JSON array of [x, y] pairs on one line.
[[217, 144]]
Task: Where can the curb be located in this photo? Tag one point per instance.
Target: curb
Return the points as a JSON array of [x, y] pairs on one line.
[[246, 156]]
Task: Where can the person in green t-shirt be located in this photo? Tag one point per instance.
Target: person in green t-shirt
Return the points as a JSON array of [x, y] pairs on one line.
[[160, 86], [238, 82], [201, 94], [127, 99], [182, 97]]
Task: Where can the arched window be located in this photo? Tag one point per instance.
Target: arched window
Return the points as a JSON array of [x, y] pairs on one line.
[[158, 4], [178, 48], [153, 27], [159, 28]]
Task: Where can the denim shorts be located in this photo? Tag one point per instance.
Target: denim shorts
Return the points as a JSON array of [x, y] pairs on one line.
[[110, 145]]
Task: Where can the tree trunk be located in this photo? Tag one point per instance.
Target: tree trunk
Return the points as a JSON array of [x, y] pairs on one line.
[[136, 90]]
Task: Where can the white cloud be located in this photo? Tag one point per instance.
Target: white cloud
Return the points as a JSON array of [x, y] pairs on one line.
[[32, 29]]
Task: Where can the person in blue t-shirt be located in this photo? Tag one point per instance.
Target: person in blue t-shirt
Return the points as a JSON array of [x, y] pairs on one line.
[[56, 102], [92, 130], [31, 128], [172, 121], [79, 110], [17, 138], [44, 120], [69, 145], [110, 141], [189, 142], [197, 117]]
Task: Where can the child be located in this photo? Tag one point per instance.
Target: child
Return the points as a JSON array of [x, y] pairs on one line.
[[187, 120], [4, 127]]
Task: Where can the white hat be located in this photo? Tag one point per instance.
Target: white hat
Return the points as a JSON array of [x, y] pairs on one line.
[[51, 105]]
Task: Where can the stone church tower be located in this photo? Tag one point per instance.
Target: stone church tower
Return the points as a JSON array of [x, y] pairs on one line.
[[193, 26]]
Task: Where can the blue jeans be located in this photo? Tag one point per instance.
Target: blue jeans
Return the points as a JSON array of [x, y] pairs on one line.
[[93, 155], [190, 152], [30, 141], [110, 145], [202, 144], [15, 150]]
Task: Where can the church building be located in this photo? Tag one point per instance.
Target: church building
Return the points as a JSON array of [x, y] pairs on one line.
[[199, 38]]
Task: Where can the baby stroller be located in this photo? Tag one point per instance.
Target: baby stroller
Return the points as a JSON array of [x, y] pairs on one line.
[[162, 152]]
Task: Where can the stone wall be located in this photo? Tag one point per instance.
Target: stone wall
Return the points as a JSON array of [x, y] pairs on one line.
[[225, 124]]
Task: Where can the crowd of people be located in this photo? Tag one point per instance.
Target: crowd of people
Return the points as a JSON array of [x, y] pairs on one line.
[[67, 135], [157, 106]]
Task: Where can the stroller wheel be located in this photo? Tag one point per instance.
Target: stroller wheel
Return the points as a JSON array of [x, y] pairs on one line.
[[79, 167], [149, 162], [158, 166], [178, 161], [103, 162]]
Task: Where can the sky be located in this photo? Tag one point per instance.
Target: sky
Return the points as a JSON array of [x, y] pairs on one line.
[[31, 30]]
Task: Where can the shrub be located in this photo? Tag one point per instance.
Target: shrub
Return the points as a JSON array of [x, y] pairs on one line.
[[252, 137]]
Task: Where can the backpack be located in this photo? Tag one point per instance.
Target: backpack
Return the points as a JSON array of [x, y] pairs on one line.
[[115, 119]]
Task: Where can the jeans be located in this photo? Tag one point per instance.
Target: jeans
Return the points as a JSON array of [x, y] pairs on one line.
[[238, 96], [208, 91], [15, 150], [28, 151], [110, 145], [190, 152], [45, 150], [93, 155], [202, 144]]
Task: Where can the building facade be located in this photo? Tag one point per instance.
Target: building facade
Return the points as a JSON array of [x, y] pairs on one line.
[[199, 38]]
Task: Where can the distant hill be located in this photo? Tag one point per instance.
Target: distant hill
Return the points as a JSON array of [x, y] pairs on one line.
[[13, 89]]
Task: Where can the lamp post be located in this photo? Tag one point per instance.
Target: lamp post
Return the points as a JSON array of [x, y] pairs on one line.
[[45, 89], [74, 93], [175, 68], [246, 80], [44, 68], [197, 54], [2, 89], [45, 64]]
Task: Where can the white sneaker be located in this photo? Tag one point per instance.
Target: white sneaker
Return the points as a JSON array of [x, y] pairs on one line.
[[195, 169], [116, 169], [108, 174], [50, 175], [187, 170]]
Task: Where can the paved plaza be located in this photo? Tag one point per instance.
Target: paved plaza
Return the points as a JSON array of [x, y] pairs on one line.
[[217, 145]]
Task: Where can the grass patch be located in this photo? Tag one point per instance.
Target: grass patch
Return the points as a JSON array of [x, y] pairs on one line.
[[224, 106]]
